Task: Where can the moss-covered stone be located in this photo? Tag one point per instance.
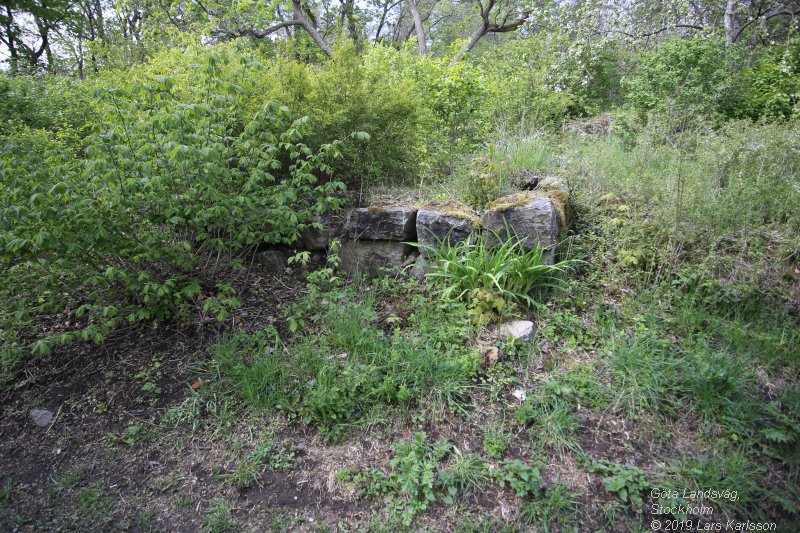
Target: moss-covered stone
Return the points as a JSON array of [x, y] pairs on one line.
[[531, 216], [455, 209], [560, 199], [452, 221]]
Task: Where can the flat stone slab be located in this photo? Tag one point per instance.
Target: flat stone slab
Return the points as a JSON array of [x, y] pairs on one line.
[[451, 223], [521, 330], [395, 223], [529, 216], [371, 257]]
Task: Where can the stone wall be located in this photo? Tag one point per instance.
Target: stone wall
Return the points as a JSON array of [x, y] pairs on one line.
[[377, 238]]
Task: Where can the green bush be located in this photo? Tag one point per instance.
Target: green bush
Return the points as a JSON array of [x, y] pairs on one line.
[[356, 93], [161, 203], [546, 78], [771, 88], [688, 77]]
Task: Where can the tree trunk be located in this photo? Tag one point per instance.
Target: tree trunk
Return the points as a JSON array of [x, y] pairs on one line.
[[348, 19], [302, 20], [476, 36], [487, 26], [387, 6], [730, 22], [421, 44], [13, 60]]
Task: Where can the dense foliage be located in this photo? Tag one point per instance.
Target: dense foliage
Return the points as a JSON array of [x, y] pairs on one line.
[[150, 150], [136, 194], [167, 201]]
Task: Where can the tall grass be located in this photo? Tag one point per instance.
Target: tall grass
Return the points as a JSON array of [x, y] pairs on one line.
[[705, 182]]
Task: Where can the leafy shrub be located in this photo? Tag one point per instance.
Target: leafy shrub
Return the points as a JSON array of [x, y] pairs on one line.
[[626, 481], [686, 76], [523, 479], [543, 79], [482, 183], [412, 484], [416, 479], [494, 443], [168, 200], [771, 87], [49, 103], [356, 93]]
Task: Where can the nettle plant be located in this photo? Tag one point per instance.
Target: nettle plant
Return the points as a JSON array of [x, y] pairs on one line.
[[169, 203]]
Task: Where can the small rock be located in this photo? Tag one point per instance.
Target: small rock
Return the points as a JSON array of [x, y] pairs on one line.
[[490, 356], [421, 267], [520, 395], [273, 260], [41, 417], [521, 330], [531, 183], [411, 259]]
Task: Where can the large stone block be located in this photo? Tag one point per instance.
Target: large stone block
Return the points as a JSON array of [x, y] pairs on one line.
[[370, 257], [315, 238], [454, 223], [529, 216], [395, 223], [557, 189]]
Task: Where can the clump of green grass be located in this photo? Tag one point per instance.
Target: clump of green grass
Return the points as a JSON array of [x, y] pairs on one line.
[[556, 509], [332, 376], [646, 369], [464, 476], [218, 517], [495, 442], [265, 457], [550, 418], [491, 279], [531, 154], [95, 504]]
